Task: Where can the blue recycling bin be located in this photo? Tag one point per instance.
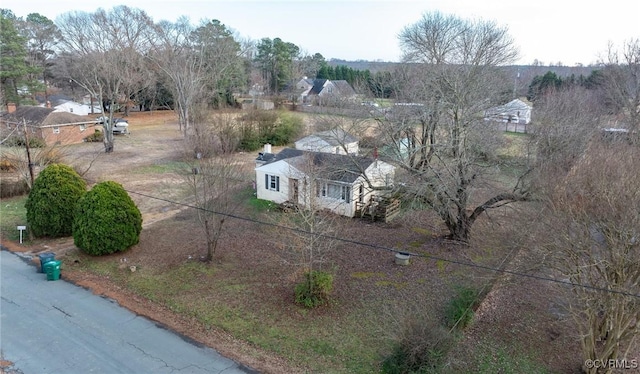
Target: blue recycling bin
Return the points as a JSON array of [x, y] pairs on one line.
[[44, 258]]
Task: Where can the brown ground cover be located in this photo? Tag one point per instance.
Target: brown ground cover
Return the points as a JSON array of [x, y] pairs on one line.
[[252, 277]]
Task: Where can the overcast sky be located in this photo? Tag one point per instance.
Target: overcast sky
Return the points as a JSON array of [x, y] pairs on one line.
[[550, 31]]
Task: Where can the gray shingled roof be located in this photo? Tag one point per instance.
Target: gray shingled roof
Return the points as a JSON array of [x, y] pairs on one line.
[[41, 116], [318, 85], [344, 88], [341, 168], [336, 137]]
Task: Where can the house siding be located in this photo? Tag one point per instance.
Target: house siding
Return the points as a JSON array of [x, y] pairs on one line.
[[69, 134], [379, 174]]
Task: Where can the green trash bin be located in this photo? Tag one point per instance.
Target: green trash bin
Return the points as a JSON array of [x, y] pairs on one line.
[[52, 268], [44, 258]]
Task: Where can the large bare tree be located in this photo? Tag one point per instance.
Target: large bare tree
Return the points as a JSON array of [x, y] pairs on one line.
[[586, 184], [621, 83], [439, 137], [593, 240], [197, 62], [106, 49]]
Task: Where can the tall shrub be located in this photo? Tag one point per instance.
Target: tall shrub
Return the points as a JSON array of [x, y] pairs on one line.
[[106, 220], [51, 202]]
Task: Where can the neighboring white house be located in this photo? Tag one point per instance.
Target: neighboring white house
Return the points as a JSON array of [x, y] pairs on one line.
[[71, 106], [341, 183], [335, 141], [516, 111]]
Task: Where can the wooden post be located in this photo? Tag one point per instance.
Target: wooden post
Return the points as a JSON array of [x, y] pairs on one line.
[[26, 144]]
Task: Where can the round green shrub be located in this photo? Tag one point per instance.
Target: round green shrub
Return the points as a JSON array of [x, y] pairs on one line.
[[51, 202], [106, 220]]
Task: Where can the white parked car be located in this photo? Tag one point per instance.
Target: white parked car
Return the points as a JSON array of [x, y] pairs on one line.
[[120, 125]]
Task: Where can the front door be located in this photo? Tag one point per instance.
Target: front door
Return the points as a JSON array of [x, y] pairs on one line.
[[293, 191]]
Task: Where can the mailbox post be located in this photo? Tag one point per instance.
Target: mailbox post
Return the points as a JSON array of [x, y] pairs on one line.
[[21, 229]]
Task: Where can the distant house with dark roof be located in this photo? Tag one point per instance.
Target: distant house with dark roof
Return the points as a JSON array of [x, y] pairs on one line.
[[335, 141], [341, 183], [327, 92], [47, 124]]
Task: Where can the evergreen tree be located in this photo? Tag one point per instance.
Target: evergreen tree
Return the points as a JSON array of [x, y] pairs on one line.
[[106, 220], [51, 201], [15, 71]]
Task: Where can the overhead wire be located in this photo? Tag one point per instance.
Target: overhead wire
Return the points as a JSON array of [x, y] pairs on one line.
[[393, 250]]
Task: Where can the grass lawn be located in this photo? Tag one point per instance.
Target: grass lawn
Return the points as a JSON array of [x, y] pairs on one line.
[[247, 292], [13, 214]]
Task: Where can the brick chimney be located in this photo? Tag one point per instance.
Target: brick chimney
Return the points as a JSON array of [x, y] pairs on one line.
[[11, 107]]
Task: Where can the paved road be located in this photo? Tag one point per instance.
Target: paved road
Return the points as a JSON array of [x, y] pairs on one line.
[[57, 327]]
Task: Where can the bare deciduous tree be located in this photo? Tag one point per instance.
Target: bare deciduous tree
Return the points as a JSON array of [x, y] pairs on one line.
[[106, 50], [195, 61], [439, 137], [215, 177], [593, 240], [621, 83], [310, 243]]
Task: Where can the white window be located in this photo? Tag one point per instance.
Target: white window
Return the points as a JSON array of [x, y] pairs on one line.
[[272, 182], [334, 191], [56, 130], [83, 127]]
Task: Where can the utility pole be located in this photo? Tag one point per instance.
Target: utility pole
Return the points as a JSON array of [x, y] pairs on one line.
[[26, 144]]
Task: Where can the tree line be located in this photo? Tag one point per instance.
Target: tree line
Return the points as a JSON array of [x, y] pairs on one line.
[[453, 70]]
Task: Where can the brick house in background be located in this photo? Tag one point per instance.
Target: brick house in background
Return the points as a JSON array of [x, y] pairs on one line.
[[47, 124]]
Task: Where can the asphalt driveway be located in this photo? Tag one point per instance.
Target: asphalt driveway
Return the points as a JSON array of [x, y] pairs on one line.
[[57, 327]]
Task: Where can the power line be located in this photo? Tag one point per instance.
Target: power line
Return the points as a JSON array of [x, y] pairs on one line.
[[380, 247]]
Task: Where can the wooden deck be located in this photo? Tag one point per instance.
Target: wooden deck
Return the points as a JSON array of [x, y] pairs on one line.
[[383, 209]]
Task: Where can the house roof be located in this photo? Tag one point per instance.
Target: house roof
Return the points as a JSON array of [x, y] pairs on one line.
[[39, 116], [334, 137], [318, 85], [511, 106], [55, 99], [334, 167], [344, 88]]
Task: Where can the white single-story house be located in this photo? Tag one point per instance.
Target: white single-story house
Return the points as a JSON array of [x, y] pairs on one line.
[[335, 141], [515, 111], [344, 184]]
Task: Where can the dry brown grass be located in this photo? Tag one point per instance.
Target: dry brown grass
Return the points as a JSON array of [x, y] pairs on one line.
[[242, 304]]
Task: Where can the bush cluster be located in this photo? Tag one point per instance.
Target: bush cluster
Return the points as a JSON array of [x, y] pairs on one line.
[[106, 220], [51, 201], [97, 136], [260, 127], [315, 289], [18, 141], [421, 348]]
